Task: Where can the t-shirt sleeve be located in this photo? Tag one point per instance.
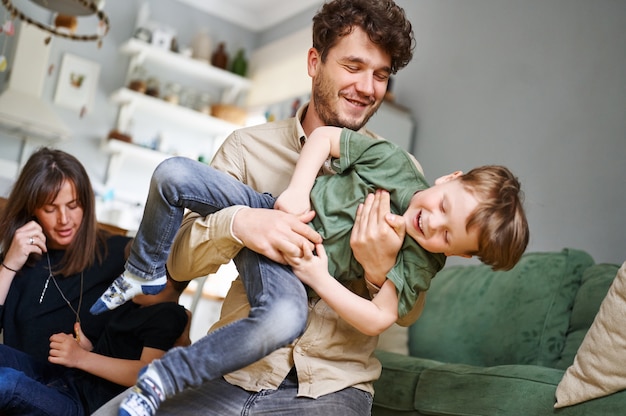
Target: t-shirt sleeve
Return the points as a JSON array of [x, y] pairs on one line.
[[356, 148], [164, 327]]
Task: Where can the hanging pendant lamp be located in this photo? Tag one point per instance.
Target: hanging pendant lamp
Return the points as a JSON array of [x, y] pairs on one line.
[[66, 8]]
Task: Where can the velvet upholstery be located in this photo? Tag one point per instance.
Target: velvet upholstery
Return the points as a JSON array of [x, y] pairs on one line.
[[497, 343]]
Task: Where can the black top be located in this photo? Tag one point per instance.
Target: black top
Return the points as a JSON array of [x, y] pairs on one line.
[[27, 324]]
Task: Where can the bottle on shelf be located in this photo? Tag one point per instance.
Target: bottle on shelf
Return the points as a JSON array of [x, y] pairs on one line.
[[220, 57], [240, 64]]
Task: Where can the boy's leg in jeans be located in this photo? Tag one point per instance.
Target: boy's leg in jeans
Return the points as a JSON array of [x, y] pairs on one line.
[[278, 314], [177, 183]]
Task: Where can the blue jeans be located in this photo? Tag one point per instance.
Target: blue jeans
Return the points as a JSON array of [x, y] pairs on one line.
[[221, 398], [35, 388], [278, 300]]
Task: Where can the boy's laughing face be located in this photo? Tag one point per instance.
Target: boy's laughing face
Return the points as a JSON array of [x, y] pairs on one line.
[[436, 218]]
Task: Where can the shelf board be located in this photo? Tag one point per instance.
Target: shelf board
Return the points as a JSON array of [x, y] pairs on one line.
[[182, 115], [131, 149], [187, 66]]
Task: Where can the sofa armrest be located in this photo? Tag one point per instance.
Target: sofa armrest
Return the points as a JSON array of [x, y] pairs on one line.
[[415, 386]]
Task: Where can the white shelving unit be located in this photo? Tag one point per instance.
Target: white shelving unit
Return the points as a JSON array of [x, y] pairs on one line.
[[142, 53], [232, 87]]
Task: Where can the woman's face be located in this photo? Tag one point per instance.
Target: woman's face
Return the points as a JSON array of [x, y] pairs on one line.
[[62, 218]]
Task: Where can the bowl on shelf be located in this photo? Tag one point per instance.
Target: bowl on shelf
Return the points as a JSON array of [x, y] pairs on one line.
[[230, 113]]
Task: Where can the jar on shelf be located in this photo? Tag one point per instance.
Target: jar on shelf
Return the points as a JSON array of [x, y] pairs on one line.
[[171, 93], [203, 103], [152, 87], [138, 80], [187, 97]]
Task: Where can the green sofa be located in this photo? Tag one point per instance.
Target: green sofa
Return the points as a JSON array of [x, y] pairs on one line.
[[498, 343]]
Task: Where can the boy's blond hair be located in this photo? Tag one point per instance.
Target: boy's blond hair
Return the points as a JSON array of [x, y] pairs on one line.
[[499, 217]]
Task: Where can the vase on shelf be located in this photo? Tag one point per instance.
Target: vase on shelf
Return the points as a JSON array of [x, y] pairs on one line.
[[201, 46]]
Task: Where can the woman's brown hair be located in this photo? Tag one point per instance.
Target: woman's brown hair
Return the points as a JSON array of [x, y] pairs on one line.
[[38, 184]]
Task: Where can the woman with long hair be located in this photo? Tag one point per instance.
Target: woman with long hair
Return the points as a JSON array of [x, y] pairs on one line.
[[55, 263]]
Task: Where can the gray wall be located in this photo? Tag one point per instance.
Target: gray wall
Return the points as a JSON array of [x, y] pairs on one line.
[[538, 85]]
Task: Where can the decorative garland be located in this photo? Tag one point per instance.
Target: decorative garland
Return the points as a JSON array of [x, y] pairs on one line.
[[103, 24]]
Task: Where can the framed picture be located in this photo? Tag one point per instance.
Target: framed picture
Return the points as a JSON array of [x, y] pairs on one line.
[[77, 83]]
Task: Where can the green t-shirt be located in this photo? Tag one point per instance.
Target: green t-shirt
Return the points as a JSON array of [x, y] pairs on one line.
[[365, 165]]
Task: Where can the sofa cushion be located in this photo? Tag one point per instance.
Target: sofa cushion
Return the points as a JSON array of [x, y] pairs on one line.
[[598, 368], [457, 389], [476, 316], [595, 284], [395, 389]]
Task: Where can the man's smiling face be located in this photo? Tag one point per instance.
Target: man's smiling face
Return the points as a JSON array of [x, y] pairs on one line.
[[350, 85]]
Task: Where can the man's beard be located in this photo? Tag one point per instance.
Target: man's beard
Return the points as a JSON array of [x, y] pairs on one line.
[[323, 99]]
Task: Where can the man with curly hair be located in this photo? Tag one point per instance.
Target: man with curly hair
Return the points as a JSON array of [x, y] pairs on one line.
[[329, 368]]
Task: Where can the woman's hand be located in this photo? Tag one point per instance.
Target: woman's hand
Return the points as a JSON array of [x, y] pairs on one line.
[[29, 238], [377, 236]]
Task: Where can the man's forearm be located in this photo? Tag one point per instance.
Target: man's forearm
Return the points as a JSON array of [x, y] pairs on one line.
[[202, 245]]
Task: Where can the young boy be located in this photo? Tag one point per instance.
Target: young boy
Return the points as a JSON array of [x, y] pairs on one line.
[[95, 374], [465, 213], [474, 214]]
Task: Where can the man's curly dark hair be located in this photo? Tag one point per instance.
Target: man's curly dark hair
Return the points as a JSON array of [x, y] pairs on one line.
[[384, 22]]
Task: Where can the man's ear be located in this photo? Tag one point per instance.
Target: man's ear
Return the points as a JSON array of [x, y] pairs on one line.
[[448, 177], [313, 60]]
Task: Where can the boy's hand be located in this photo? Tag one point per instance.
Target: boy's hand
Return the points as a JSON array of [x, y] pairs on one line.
[[64, 350], [293, 202], [310, 267]]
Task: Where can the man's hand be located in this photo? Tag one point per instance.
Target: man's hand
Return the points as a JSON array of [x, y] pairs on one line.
[[275, 234], [377, 236]]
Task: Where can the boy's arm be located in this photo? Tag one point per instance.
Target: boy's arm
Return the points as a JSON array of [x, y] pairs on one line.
[[323, 142], [64, 350], [371, 317]]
